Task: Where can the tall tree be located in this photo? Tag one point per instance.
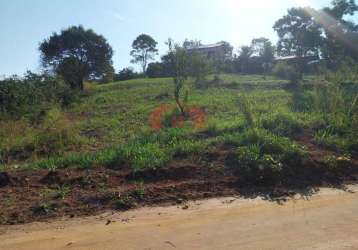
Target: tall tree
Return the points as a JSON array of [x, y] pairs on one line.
[[224, 62], [144, 48], [178, 58], [228, 49], [341, 8], [245, 54], [76, 54], [199, 66], [341, 36], [298, 33], [258, 44], [263, 48]]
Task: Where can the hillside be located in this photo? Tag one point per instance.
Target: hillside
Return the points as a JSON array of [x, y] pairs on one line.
[[255, 137]]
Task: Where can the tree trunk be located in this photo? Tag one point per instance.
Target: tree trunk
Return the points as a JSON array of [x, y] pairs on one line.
[[80, 83], [180, 106]]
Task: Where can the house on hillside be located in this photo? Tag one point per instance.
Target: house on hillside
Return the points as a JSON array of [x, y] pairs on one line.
[[310, 63], [213, 51], [295, 59]]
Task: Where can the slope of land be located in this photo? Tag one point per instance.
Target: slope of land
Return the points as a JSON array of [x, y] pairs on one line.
[[258, 137]]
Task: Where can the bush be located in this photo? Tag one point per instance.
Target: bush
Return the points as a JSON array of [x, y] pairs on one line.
[[257, 167], [337, 164], [285, 71], [126, 74], [301, 100], [16, 140], [284, 124], [199, 67], [156, 69], [262, 157], [55, 135], [31, 95]]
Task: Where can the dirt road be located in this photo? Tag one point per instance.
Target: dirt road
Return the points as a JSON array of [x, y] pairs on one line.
[[327, 220]]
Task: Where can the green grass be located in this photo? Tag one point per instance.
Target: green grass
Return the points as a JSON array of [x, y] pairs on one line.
[[108, 126], [263, 157]]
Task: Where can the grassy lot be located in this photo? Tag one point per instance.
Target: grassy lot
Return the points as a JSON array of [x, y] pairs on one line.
[[110, 123], [260, 137], [108, 115]]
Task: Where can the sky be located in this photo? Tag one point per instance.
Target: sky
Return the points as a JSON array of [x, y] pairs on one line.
[[25, 23]]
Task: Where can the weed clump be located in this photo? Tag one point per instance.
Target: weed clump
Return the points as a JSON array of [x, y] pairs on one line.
[[55, 135], [264, 158], [282, 123], [145, 156]]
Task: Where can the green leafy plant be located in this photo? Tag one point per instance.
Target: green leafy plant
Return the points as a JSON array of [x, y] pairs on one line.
[[282, 123], [44, 208], [337, 163], [257, 167], [55, 134], [62, 192], [179, 63], [145, 156], [124, 202], [245, 107], [262, 157]]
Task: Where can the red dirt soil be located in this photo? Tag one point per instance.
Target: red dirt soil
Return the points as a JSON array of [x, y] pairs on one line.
[[36, 195]]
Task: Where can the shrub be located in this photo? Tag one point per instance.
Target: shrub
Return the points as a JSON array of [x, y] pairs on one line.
[[263, 158], [284, 124], [199, 67], [285, 71], [257, 167], [125, 74], [55, 135], [337, 163], [328, 137], [16, 140], [31, 95], [347, 71], [156, 69]]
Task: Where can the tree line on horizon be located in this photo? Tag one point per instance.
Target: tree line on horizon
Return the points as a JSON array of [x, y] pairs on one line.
[[76, 54], [323, 34]]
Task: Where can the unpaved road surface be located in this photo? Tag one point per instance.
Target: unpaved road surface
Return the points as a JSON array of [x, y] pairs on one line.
[[326, 220]]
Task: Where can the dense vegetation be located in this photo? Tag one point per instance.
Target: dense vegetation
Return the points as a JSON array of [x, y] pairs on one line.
[[109, 125]]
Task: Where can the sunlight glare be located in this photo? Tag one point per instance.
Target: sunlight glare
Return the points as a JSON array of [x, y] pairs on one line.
[[243, 4], [303, 3]]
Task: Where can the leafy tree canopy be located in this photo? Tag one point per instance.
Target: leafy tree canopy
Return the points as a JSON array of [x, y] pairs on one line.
[[228, 49], [76, 54], [298, 33], [341, 8], [144, 48], [341, 35]]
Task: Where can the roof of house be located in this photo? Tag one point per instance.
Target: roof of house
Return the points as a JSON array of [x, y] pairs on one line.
[[283, 58], [208, 46]]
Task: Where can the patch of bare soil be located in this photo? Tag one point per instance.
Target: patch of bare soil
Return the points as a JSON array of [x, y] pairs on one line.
[[325, 220], [38, 195]]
